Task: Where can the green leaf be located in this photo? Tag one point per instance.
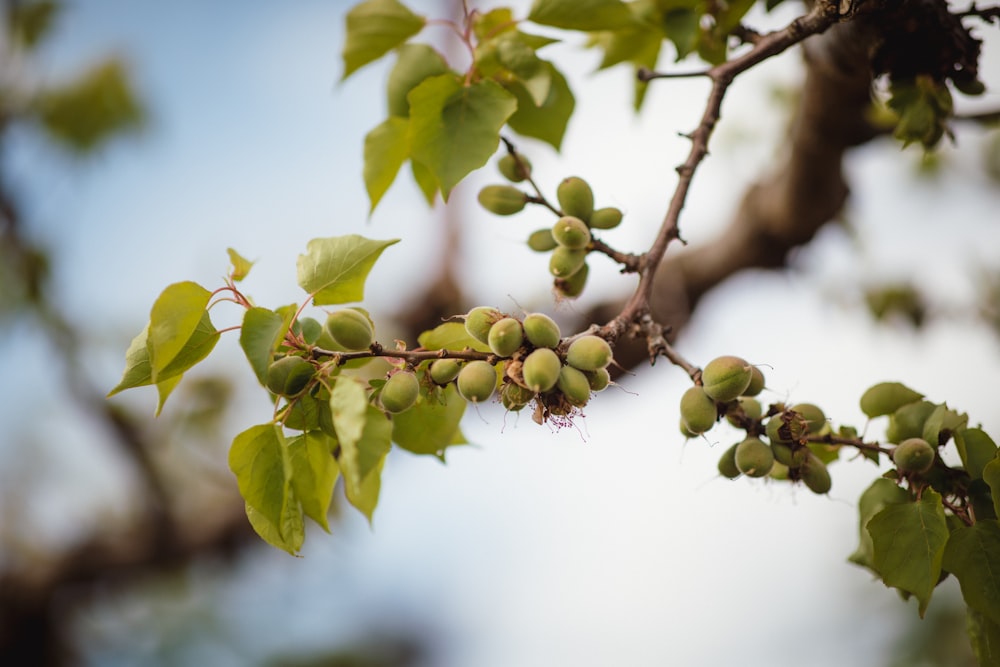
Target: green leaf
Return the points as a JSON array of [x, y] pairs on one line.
[[163, 390], [456, 128], [314, 473], [414, 63], [973, 556], [486, 25], [908, 544], [976, 449], [450, 336], [984, 636], [259, 459], [364, 434], [885, 398], [942, 424], [30, 22], [174, 317], [88, 111], [581, 14], [365, 496], [386, 148], [882, 493], [681, 26], [334, 269], [731, 15], [520, 60], [241, 265], [991, 475], [546, 122], [260, 334], [374, 28], [425, 180], [430, 426]]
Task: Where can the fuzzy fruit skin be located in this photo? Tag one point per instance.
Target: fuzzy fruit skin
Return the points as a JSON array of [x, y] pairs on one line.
[[444, 371], [477, 381], [885, 398], [514, 397], [756, 382], [400, 392], [913, 455], [574, 385], [505, 337], [588, 353], [780, 431], [351, 329], [572, 287], [754, 457], [576, 198], [792, 455], [727, 463], [502, 199], [571, 232], [479, 320], [541, 369], [512, 170], [541, 330], [698, 412], [751, 408], [541, 240], [289, 376], [726, 377], [815, 475], [606, 218], [564, 262], [599, 379], [812, 414]]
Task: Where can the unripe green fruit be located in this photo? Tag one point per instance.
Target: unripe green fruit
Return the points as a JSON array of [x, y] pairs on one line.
[[505, 337], [564, 261], [751, 407], [289, 376], [726, 377], [350, 329], [913, 455], [727, 463], [605, 218], [444, 371], [541, 240], [599, 379], [571, 232], [698, 411], [575, 198], [541, 369], [815, 476], [887, 397], [502, 199], [686, 432], [754, 457], [514, 397], [400, 392], [572, 287], [514, 170], [812, 415], [574, 385], [480, 320], [779, 471], [588, 353], [756, 382], [541, 330], [792, 455], [780, 431], [477, 381]]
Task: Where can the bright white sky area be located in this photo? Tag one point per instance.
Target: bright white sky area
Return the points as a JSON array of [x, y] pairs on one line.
[[612, 544]]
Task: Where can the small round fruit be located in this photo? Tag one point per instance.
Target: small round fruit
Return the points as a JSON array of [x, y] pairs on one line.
[[572, 287], [541, 369], [541, 240], [479, 320], [571, 232], [514, 397], [541, 330], [815, 475], [514, 169], [698, 411], [505, 337], [750, 407], [727, 463], [686, 432], [400, 392], [813, 416], [502, 199], [599, 379], [754, 457], [574, 385], [913, 455], [726, 377], [588, 353], [564, 262], [477, 381], [289, 376], [350, 329], [444, 371], [792, 455], [756, 382], [575, 197], [606, 218]]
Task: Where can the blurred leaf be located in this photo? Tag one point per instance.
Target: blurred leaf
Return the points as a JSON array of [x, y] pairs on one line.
[[241, 265], [991, 475], [581, 14], [450, 336], [260, 335], [520, 60], [880, 494], [334, 269], [546, 122], [430, 426], [175, 315], [365, 437], [374, 28], [364, 497], [99, 104], [985, 637], [976, 448], [30, 22], [414, 64], [973, 556], [314, 473], [425, 180], [942, 424], [681, 27], [386, 148], [885, 398]]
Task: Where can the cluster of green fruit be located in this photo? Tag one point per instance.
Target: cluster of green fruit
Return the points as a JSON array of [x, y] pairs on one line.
[[569, 240], [913, 424], [537, 363], [777, 443]]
